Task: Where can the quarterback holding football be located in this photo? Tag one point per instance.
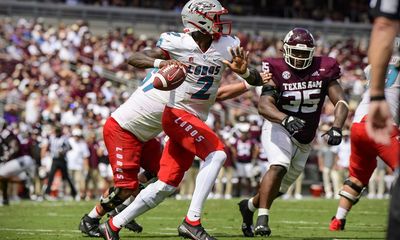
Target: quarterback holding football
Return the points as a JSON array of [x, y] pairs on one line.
[[201, 54]]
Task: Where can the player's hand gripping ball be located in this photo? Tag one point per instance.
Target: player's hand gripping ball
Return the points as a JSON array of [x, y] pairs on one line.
[[169, 77]]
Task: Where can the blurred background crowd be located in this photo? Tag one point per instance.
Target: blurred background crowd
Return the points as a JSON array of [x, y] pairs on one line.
[[338, 10], [65, 79]]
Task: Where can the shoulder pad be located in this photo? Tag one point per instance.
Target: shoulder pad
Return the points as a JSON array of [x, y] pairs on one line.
[[333, 70], [169, 40], [223, 45]]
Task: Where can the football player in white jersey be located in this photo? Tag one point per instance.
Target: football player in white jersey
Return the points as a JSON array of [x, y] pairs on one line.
[[204, 47], [129, 135], [364, 149]]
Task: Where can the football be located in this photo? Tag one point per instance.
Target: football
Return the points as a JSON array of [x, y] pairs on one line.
[[169, 77]]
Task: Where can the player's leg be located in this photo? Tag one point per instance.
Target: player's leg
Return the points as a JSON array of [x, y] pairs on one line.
[[150, 162], [20, 168], [54, 167], [278, 146], [362, 164], [327, 182], [297, 165], [66, 177], [390, 155], [8, 170], [293, 178], [4, 190], [169, 177], [281, 184], [219, 186], [195, 136], [124, 155]]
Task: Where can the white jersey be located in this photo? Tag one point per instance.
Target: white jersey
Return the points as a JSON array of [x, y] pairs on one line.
[[141, 113], [392, 91], [198, 92]]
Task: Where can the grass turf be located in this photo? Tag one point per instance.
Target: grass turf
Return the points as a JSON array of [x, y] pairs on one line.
[[302, 219]]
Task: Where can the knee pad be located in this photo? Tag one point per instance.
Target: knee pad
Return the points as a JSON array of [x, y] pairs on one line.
[[349, 196], [155, 193], [112, 200]]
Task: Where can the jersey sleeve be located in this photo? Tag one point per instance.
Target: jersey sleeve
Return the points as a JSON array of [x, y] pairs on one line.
[[367, 72], [225, 43], [334, 70], [268, 66], [169, 42], [236, 41]]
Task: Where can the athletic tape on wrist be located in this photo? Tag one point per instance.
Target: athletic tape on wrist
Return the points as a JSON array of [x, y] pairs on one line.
[[246, 74], [157, 63]]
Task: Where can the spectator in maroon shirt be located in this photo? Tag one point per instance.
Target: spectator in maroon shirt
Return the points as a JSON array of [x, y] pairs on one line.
[[92, 180]]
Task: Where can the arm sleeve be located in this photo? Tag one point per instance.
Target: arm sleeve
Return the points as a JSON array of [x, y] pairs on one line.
[[269, 90]]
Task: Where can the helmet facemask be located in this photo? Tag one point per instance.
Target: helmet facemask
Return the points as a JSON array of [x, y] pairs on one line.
[[298, 57]]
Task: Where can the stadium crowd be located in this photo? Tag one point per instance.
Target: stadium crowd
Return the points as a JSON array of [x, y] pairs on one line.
[[349, 11], [61, 78]]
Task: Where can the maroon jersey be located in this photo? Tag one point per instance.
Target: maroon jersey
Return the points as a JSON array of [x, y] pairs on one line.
[[302, 92], [244, 150]]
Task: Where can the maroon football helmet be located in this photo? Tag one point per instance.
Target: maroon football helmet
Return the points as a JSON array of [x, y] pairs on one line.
[[298, 48]]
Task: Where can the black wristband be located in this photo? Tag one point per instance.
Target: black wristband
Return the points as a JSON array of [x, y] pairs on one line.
[[377, 98]]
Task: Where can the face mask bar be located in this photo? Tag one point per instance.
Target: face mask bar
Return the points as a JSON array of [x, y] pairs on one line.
[[219, 27], [292, 61]]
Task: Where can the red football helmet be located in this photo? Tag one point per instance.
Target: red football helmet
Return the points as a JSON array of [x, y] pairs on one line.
[[298, 48]]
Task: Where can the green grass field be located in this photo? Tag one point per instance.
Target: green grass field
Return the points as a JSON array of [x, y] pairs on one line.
[[303, 219]]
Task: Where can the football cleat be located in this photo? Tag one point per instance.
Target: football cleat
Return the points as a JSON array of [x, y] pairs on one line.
[[337, 224], [90, 226], [262, 227], [247, 216], [186, 230], [107, 233], [134, 226]]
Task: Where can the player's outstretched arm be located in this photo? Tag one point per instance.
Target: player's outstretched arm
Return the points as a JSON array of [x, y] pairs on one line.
[[231, 91], [151, 58], [336, 95]]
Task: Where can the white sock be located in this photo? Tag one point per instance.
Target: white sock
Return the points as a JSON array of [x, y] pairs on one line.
[[341, 213], [263, 211], [136, 208], [94, 213], [204, 182], [128, 200], [251, 206], [147, 199]]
